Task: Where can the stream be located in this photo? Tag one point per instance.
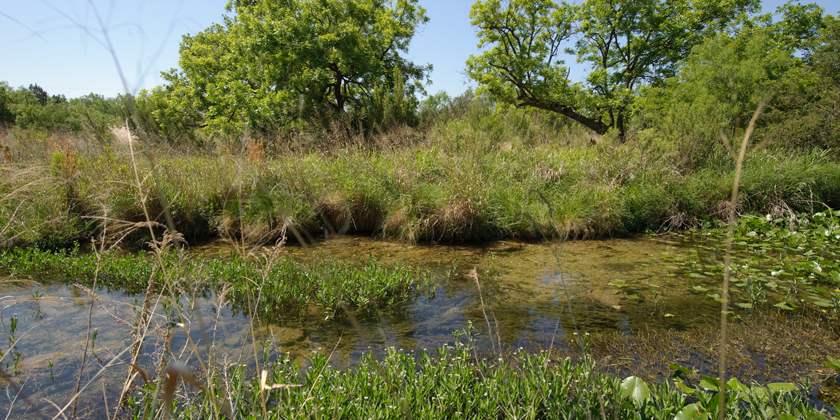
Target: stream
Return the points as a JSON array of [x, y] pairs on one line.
[[533, 294]]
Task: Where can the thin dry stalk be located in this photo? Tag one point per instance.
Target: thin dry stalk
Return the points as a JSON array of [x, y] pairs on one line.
[[727, 260], [98, 253], [254, 347], [164, 203], [182, 370], [317, 378], [19, 393], [115, 361], [270, 259], [474, 275], [145, 320]]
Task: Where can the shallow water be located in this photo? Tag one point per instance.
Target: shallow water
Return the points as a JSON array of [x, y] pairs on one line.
[[614, 284]]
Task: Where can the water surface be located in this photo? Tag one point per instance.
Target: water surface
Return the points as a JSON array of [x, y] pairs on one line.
[[532, 293]]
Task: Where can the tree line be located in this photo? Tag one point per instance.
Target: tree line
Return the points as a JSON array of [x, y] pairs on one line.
[[687, 71]]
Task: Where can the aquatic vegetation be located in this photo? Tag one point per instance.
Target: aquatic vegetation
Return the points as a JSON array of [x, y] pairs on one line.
[[524, 383], [788, 262], [282, 284], [453, 382]]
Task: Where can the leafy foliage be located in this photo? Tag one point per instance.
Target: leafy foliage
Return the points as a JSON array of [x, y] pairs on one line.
[[7, 117], [40, 94], [452, 382], [788, 263], [728, 75], [34, 108], [807, 114], [626, 43], [275, 61], [287, 284]]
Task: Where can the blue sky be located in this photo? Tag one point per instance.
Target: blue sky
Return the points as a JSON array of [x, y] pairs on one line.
[[59, 44]]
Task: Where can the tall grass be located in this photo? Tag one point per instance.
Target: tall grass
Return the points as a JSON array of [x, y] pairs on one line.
[[432, 192]]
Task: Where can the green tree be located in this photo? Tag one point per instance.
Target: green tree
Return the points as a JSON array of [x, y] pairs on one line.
[[7, 117], [39, 92], [625, 43], [811, 117], [276, 60], [726, 77], [95, 115]]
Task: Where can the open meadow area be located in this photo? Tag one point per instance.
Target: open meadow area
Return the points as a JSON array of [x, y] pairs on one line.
[[291, 226]]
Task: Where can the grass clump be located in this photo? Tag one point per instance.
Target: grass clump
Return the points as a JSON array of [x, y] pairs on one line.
[[443, 186]]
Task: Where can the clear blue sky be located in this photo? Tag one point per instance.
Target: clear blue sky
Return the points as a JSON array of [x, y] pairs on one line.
[[59, 44]]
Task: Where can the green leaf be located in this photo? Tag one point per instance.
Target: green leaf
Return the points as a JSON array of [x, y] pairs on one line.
[[679, 369], [636, 389], [663, 413], [700, 289], [782, 386], [813, 415], [833, 363], [691, 412], [709, 383], [785, 305], [685, 389], [736, 385], [823, 303]]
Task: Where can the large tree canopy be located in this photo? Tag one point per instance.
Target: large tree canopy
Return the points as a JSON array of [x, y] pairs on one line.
[[724, 79], [625, 43], [275, 60]]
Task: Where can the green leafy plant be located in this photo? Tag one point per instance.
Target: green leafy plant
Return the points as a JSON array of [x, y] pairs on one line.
[[627, 44]]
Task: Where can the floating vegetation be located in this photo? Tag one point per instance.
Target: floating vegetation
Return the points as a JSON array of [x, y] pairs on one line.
[[789, 263]]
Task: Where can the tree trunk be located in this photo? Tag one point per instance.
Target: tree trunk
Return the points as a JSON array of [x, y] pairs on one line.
[[595, 125], [620, 126], [340, 99]]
